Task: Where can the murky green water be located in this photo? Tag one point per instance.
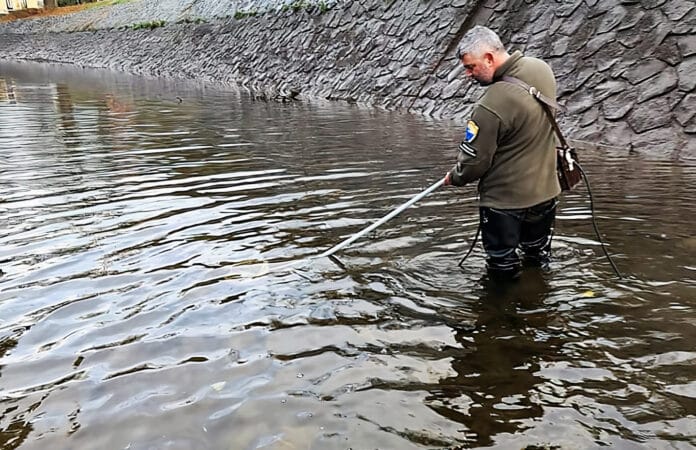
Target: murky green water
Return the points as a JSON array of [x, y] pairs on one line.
[[144, 303]]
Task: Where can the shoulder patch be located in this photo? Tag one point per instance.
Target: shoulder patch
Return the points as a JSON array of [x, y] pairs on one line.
[[471, 131]]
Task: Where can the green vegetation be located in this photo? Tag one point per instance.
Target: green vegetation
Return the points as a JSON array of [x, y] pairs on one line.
[[151, 25], [239, 14], [196, 20], [299, 5]]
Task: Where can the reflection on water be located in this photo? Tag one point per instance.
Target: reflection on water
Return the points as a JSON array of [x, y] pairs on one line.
[[7, 93], [146, 300]]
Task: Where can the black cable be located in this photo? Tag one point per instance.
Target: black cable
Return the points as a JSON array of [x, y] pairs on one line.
[[594, 222], [471, 248], [594, 225]]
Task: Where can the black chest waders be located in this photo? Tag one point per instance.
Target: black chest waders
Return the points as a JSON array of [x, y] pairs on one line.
[[568, 169]]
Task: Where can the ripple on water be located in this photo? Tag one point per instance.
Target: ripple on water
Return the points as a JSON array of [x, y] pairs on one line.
[[158, 290]]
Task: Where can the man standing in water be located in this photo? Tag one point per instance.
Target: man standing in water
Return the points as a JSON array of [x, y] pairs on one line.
[[509, 146]]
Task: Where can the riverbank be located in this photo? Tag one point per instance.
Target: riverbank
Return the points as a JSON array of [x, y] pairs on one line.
[[625, 72]]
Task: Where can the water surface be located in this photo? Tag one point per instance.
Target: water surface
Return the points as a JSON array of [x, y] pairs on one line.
[[146, 300]]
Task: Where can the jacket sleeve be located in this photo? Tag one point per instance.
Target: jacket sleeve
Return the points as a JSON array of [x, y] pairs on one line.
[[476, 151]]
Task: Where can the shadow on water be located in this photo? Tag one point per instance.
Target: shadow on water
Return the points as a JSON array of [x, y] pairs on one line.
[[146, 299], [511, 333]]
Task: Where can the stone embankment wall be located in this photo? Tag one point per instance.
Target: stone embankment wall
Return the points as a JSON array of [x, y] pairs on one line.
[[625, 69]]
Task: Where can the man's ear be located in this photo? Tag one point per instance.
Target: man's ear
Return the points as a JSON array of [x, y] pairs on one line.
[[489, 58]]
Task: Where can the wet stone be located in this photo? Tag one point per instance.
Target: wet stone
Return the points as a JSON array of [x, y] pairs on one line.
[[690, 127], [686, 109], [631, 18], [649, 115], [669, 52], [675, 10], [618, 133], [572, 25], [579, 102], [594, 45], [607, 89], [607, 64], [661, 84], [651, 4], [630, 40], [560, 47], [612, 19], [643, 70], [589, 117], [658, 141], [648, 22], [687, 45], [544, 22], [566, 9], [607, 6], [687, 74], [617, 106], [451, 89]]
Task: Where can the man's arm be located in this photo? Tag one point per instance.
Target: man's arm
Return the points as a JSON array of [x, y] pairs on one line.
[[478, 147]]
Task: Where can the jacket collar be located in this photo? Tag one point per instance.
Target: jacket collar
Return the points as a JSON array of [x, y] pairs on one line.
[[512, 60]]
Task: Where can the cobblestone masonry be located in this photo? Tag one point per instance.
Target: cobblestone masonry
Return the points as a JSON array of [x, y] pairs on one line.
[[626, 68]]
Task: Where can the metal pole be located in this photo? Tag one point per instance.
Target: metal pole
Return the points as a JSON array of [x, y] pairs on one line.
[[381, 221]]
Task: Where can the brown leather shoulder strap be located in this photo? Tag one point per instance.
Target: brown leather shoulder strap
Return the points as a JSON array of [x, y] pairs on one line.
[[534, 92], [545, 102]]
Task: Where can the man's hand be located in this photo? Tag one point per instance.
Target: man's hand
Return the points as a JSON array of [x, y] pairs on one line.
[[448, 179]]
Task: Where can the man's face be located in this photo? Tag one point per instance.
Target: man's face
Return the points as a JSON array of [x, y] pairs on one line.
[[480, 68]]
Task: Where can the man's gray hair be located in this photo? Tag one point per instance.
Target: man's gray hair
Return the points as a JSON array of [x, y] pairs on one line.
[[478, 41]]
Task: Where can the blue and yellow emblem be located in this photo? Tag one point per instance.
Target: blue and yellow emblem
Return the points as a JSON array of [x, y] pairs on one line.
[[471, 131]]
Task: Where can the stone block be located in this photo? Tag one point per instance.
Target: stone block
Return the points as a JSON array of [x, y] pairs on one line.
[[617, 106], [589, 117], [567, 8], [687, 24], [573, 24], [631, 19], [597, 43], [690, 126], [650, 115], [608, 88], [686, 109], [616, 133], [687, 45], [544, 22], [643, 70], [612, 19], [663, 142], [560, 46], [579, 102], [652, 4], [676, 10], [687, 74], [669, 52], [594, 134], [451, 89], [662, 83]]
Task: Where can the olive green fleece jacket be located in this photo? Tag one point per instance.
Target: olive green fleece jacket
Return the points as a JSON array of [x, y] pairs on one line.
[[513, 152]]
